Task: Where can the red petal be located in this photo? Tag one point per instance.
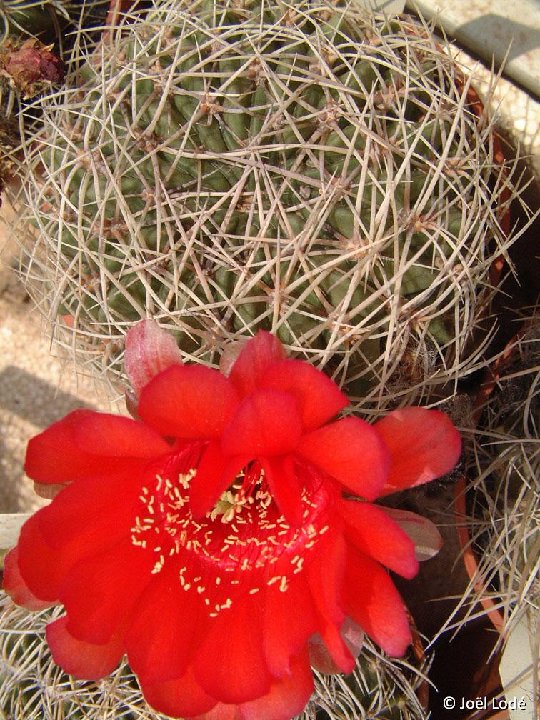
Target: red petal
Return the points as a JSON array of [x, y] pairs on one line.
[[192, 402], [290, 619], [215, 474], [158, 642], [374, 603], [285, 486], [86, 518], [242, 675], [15, 586], [266, 423], [423, 444], [376, 535], [148, 351], [86, 444], [352, 452], [182, 697], [43, 566], [117, 436], [287, 697], [325, 575], [319, 398], [81, 659], [73, 527], [254, 360], [221, 712], [40, 565], [92, 514], [99, 592], [54, 455]]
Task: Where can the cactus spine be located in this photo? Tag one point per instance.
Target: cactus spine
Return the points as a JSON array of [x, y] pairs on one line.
[[302, 168]]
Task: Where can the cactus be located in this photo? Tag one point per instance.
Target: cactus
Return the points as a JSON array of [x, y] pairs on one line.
[[31, 18], [37, 37], [307, 169], [27, 67], [34, 688], [504, 495], [47, 20]]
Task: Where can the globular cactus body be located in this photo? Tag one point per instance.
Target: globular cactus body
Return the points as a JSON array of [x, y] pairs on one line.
[[230, 166]]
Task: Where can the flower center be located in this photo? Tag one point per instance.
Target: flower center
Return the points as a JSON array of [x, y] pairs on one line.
[[241, 545], [247, 489]]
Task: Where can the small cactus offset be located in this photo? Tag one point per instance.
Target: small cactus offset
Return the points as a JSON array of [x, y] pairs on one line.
[[34, 688], [303, 168], [38, 38]]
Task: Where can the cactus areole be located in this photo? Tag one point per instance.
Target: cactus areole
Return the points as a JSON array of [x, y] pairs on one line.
[[303, 168], [226, 540]]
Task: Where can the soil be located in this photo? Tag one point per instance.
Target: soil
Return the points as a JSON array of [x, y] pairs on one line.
[[36, 388]]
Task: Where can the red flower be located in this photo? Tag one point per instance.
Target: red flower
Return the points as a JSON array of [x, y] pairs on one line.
[[212, 540]]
